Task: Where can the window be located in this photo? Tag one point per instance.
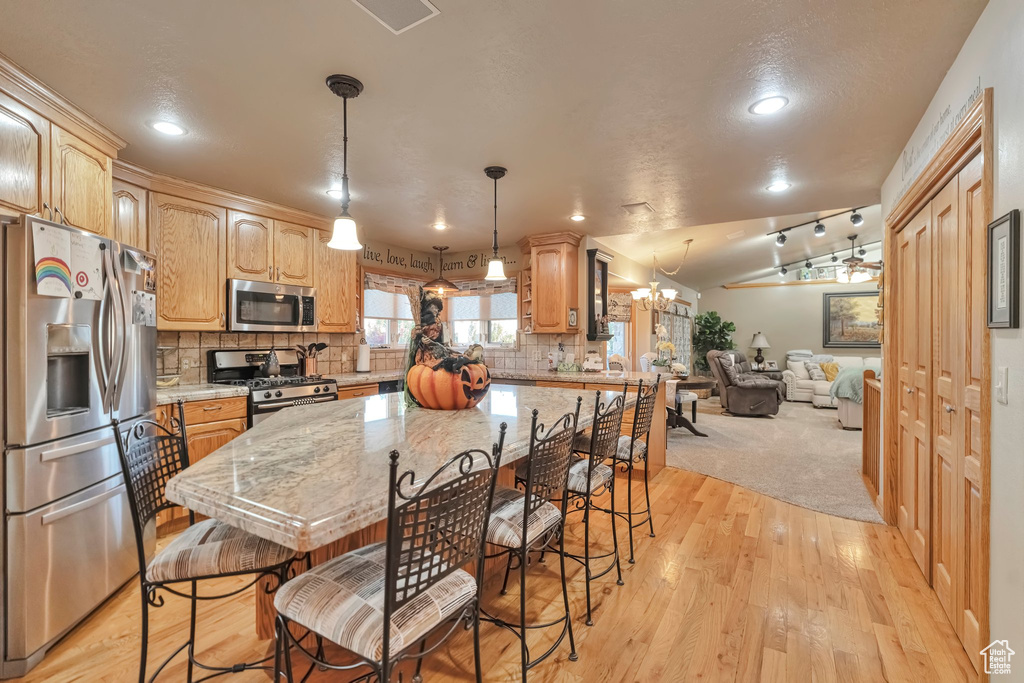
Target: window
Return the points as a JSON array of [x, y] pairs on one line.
[[618, 344], [387, 318], [490, 319]]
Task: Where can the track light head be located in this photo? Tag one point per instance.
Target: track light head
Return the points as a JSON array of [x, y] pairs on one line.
[[856, 219], [862, 251], [808, 264], [834, 258], [780, 239], [783, 271], [819, 230]]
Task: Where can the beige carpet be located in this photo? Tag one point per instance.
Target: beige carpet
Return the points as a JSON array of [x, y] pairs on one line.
[[801, 456]]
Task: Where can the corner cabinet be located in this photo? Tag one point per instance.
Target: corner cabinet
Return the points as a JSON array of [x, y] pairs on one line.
[[190, 240], [131, 215], [336, 282], [554, 272], [81, 183]]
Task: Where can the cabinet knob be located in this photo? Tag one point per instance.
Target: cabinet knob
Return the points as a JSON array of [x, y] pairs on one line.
[[910, 390], [949, 408], [223, 321], [279, 272]]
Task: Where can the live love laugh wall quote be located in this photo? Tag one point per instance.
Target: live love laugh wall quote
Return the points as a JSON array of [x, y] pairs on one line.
[[464, 264]]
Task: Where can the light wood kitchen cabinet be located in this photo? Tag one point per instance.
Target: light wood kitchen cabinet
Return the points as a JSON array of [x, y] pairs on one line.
[[131, 214], [336, 281], [24, 158], [208, 426], [190, 241], [554, 273], [81, 183], [293, 254], [250, 247]]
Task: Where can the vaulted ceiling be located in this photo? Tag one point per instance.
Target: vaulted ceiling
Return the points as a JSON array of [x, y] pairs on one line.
[[591, 104]]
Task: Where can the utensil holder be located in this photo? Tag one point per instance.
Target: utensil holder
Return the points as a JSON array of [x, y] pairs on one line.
[[310, 368]]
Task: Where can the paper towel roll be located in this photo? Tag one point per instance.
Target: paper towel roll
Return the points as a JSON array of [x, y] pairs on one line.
[[363, 361]]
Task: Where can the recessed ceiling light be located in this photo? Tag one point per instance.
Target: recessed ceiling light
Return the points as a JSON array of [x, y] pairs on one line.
[[779, 186], [337, 194], [439, 226], [168, 128], [577, 217], [768, 105]]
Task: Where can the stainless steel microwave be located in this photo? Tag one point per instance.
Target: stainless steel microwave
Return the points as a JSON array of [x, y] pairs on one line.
[[269, 307]]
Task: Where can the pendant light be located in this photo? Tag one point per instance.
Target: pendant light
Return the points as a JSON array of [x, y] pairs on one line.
[[440, 284], [495, 268], [346, 234]]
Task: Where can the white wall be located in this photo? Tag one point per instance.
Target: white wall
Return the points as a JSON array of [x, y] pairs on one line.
[[992, 56], [789, 316]]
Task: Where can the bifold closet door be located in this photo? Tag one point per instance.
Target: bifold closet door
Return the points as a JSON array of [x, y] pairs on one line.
[[969, 412], [948, 299], [913, 291]]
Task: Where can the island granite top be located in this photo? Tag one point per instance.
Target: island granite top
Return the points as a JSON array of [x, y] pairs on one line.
[[312, 474]]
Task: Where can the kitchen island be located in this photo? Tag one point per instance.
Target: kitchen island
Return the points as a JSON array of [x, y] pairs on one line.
[[314, 478]]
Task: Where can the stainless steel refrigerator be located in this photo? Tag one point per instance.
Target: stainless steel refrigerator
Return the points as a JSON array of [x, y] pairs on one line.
[[69, 365]]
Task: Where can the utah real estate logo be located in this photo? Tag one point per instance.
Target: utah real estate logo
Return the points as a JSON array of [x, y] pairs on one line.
[[997, 657]]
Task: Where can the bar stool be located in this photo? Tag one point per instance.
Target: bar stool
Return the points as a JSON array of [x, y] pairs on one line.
[[380, 601], [589, 476], [151, 454], [633, 449], [526, 521]]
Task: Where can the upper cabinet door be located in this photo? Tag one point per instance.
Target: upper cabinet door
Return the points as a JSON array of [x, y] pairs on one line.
[[190, 241], [24, 158], [293, 254], [81, 183], [336, 281], [548, 289], [131, 214], [250, 247]]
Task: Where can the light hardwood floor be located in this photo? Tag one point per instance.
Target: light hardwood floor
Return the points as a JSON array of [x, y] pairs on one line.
[[735, 587]]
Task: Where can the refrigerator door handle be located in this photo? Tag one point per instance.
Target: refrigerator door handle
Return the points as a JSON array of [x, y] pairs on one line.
[[51, 517], [122, 333], [115, 359], [58, 453], [102, 345]]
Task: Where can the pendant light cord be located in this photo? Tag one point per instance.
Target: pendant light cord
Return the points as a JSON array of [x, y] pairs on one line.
[[495, 245], [344, 157]]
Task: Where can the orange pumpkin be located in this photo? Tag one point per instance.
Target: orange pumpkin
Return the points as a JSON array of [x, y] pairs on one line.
[[439, 389]]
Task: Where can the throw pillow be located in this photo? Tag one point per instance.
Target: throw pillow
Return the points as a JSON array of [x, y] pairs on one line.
[[815, 371], [830, 370], [798, 369], [726, 360]]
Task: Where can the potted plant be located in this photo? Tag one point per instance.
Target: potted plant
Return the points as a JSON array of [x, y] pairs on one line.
[[711, 333]]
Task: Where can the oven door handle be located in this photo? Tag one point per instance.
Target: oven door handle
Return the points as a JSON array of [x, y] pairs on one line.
[[288, 403]]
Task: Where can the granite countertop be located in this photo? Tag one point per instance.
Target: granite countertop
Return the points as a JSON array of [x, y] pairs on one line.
[[351, 379], [599, 377], [197, 392], [310, 475]]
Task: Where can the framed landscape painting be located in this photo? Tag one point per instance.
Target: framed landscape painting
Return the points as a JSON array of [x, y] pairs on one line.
[[849, 320]]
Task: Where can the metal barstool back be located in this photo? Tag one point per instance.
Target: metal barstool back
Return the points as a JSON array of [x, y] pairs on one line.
[[639, 440]]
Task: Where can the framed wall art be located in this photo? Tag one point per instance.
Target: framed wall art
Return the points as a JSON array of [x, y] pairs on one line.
[[849, 320], [1004, 271]]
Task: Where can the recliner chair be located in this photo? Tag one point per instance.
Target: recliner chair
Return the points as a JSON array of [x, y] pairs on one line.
[[742, 392]]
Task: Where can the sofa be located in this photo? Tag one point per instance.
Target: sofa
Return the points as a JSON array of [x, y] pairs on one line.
[[800, 386], [742, 392]]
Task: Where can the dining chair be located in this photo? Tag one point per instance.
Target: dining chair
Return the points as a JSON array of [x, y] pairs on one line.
[[151, 454], [381, 602]]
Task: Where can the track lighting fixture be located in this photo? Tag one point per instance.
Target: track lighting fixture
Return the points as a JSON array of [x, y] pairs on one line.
[[780, 239], [857, 219], [783, 271], [808, 265], [819, 225], [834, 258], [819, 229], [862, 251]]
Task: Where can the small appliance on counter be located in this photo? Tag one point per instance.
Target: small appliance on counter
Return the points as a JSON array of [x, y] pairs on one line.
[[269, 394]]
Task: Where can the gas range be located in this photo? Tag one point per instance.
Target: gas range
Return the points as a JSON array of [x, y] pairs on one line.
[[267, 395]]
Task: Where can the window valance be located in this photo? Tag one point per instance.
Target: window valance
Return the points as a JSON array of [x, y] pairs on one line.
[[479, 287], [620, 307], [396, 284]]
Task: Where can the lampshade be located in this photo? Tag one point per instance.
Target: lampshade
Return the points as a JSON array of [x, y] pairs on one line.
[[860, 276], [495, 270], [345, 235], [843, 276], [760, 342], [669, 294]]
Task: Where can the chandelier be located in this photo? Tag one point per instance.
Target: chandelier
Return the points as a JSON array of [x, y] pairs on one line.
[[651, 298]]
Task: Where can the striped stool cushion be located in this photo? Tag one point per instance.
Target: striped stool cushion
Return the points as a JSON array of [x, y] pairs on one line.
[[622, 450], [343, 600], [505, 527], [210, 548], [601, 476]]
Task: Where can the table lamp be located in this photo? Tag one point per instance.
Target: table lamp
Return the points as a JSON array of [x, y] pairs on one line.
[[759, 342]]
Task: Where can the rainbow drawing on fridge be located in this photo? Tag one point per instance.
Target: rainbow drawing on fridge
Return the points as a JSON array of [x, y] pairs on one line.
[[53, 267]]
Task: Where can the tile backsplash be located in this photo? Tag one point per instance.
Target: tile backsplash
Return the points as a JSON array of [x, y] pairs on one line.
[[181, 349]]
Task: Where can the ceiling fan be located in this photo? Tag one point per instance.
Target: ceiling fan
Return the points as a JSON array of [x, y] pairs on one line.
[[856, 269]]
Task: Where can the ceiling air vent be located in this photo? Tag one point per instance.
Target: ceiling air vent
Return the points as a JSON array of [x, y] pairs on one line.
[[638, 208], [399, 15]]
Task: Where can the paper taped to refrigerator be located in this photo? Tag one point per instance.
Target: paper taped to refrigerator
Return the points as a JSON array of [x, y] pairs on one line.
[[86, 264], [52, 250]]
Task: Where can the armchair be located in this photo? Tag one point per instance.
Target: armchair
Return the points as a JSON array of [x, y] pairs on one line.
[[742, 392]]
